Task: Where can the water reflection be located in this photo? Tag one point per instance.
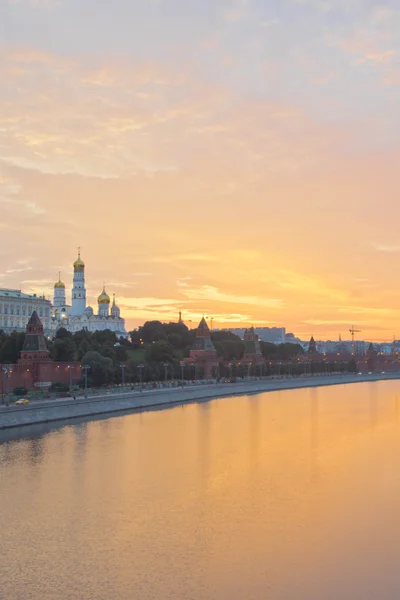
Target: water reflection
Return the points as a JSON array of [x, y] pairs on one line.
[[204, 441], [254, 433], [373, 407], [314, 429], [282, 496], [35, 450]]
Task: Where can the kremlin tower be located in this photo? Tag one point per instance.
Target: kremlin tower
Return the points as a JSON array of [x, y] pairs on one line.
[[203, 351]]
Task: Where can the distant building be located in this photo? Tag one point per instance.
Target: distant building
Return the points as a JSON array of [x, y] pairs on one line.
[[16, 309], [273, 335]]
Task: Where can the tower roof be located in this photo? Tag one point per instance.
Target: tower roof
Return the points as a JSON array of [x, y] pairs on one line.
[[34, 320], [79, 264], [203, 327], [104, 298], [59, 283]]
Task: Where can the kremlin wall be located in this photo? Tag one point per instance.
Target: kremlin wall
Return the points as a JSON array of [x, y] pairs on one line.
[[35, 368]]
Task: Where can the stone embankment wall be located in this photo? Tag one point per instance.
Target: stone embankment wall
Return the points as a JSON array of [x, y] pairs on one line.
[[58, 410]]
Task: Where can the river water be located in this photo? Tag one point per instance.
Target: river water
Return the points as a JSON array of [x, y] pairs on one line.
[[289, 495]]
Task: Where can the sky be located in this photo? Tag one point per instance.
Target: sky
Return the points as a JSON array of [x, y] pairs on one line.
[[233, 158]]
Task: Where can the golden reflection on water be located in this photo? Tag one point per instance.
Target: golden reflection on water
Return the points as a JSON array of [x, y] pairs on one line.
[[281, 496]]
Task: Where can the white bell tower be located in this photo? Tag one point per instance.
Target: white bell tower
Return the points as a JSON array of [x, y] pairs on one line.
[[79, 290]]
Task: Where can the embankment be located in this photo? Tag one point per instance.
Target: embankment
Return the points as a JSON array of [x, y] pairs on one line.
[[58, 410]]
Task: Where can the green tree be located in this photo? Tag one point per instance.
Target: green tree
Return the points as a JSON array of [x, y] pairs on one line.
[[11, 346], [62, 334], [101, 368], [121, 353], [63, 350], [160, 352], [83, 347], [109, 352]]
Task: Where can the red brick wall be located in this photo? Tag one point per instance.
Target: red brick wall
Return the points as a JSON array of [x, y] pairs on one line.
[[26, 374]]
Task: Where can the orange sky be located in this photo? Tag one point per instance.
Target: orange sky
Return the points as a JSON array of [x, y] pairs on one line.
[[236, 159]]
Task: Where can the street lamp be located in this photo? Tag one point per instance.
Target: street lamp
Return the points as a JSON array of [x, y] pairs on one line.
[[6, 370], [70, 378], [182, 364], [195, 371], [165, 365], [86, 369], [140, 367], [122, 374], [248, 370]]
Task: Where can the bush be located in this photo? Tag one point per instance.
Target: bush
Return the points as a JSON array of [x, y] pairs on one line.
[[20, 391]]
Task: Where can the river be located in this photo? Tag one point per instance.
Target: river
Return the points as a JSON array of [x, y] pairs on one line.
[[288, 495]]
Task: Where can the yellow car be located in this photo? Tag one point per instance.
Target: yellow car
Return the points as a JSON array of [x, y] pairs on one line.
[[22, 401]]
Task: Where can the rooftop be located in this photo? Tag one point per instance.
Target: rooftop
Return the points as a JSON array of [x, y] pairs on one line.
[[4, 292]]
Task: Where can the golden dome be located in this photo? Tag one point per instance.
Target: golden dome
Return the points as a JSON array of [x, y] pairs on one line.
[[104, 298], [59, 284], [79, 264]]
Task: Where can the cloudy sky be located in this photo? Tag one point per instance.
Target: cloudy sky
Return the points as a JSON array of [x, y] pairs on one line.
[[237, 158]]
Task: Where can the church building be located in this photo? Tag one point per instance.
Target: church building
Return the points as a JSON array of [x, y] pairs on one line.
[[77, 315]]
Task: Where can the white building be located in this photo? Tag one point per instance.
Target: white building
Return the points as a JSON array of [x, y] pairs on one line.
[[77, 316], [16, 309]]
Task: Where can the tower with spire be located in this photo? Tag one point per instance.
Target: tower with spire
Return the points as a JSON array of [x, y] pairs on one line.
[[115, 311], [78, 289], [34, 348], [203, 350], [59, 294]]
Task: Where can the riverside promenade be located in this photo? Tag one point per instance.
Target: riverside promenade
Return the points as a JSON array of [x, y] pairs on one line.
[[66, 408]]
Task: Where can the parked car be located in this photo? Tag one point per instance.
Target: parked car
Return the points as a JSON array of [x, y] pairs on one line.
[[22, 401]]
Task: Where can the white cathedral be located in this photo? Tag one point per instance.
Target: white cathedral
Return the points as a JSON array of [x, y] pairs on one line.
[[78, 316]]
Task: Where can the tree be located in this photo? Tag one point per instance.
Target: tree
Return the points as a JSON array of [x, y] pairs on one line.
[[101, 368], [109, 352], [11, 346], [121, 354], [152, 331], [63, 349], [83, 347], [62, 334], [160, 352]]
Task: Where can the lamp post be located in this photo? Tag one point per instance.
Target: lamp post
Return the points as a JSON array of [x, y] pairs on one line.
[[70, 378], [195, 371], [230, 370], [248, 370], [86, 369], [122, 374], [165, 365], [182, 370], [141, 367], [6, 370]]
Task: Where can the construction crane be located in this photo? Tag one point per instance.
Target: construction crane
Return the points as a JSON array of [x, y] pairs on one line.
[[353, 332]]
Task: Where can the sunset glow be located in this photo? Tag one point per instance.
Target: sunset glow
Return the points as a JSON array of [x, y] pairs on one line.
[[237, 159]]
